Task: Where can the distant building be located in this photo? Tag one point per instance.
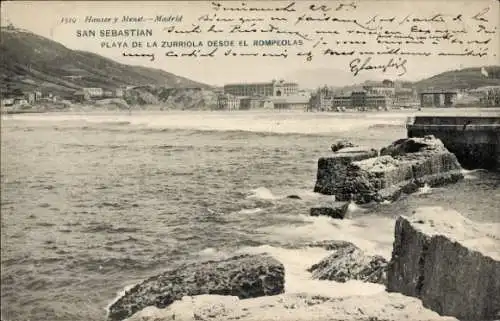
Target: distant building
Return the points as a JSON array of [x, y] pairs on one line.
[[362, 100], [38, 95], [405, 97], [247, 103], [380, 91], [93, 92], [322, 99], [21, 101], [489, 96], [268, 89], [80, 96], [7, 102], [438, 98], [342, 101], [228, 102], [119, 92], [108, 94], [297, 102], [30, 97]]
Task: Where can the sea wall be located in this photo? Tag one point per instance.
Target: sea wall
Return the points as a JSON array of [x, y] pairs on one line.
[[474, 140], [404, 166], [449, 262]]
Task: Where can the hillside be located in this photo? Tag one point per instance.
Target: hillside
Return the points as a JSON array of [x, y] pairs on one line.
[[29, 61], [467, 78], [173, 98]]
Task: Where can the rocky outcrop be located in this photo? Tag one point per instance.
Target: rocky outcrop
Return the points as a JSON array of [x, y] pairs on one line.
[[341, 144], [294, 307], [245, 276], [348, 262], [335, 210], [402, 167], [332, 169], [449, 262]]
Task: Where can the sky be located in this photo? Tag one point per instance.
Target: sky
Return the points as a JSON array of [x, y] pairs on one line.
[[45, 18]]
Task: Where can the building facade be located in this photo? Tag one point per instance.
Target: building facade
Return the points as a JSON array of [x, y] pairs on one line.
[[93, 92], [381, 91], [489, 96], [361, 100], [297, 102], [405, 97], [322, 99], [267, 89], [228, 102], [247, 103]]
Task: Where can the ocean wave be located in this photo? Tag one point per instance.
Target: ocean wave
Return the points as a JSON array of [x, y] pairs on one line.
[[262, 193], [250, 210], [424, 190], [473, 174], [298, 280], [373, 234], [119, 294], [97, 227], [387, 126]]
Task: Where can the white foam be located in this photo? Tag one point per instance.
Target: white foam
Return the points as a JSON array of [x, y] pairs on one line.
[[471, 174], [119, 294], [353, 207], [299, 280], [371, 233], [426, 189], [250, 210], [262, 193], [213, 254], [258, 121]]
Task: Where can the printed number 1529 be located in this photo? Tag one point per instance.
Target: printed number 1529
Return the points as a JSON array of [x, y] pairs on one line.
[[68, 20]]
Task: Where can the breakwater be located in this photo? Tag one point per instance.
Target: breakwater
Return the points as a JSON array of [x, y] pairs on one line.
[[365, 175], [475, 140]]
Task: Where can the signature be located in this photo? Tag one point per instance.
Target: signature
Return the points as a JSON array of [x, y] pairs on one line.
[[357, 65]]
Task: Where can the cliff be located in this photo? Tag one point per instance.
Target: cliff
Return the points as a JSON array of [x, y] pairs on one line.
[[449, 262]]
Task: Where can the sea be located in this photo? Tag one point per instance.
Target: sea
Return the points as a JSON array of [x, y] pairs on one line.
[[92, 203]]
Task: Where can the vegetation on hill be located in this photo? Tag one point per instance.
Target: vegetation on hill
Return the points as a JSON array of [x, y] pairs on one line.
[[173, 98], [33, 62], [467, 78]]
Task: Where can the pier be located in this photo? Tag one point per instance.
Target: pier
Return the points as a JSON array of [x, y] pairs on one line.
[[475, 140]]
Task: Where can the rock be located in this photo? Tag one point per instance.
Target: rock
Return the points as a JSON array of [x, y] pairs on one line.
[[449, 262], [330, 245], [120, 103], [245, 276], [402, 167], [348, 262], [336, 210], [294, 307], [340, 144], [295, 197], [405, 146], [332, 169]]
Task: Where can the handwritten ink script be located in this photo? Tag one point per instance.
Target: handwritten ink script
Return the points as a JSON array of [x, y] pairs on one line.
[[366, 38]]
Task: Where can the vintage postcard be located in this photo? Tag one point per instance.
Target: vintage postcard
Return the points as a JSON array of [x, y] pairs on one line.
[[250, 160]]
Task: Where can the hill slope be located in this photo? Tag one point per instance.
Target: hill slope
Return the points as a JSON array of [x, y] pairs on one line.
[[29, 61], [467, 78]]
